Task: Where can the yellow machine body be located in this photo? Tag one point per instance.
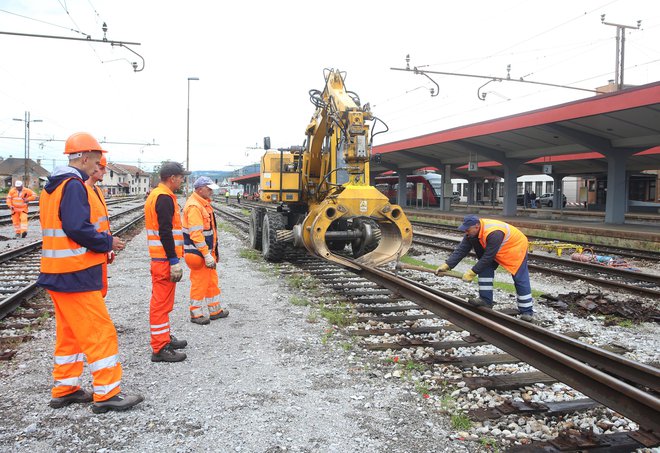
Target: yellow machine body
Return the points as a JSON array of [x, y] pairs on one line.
[[325, 189]]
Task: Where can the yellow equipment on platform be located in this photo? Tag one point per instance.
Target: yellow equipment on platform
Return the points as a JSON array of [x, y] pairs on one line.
[[325, 201], [553, 246]]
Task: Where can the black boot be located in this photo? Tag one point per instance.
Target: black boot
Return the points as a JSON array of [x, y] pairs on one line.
[[176, 343], [479, 302], [24, 234], [168, 354], [119, 402], [79, 396]]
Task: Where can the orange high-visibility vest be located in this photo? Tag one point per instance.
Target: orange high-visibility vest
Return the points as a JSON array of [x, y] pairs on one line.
[[100, 211], [156, 249], [19, 201], [514, 245], [199, 230], [59, 254]]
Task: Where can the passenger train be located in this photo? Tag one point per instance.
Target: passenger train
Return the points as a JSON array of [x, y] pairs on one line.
[[486, 191]]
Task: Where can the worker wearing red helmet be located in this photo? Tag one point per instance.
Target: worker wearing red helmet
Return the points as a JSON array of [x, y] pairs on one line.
[[200, 245], [17, 201], [101, 213], [73, 253], [165, 241]]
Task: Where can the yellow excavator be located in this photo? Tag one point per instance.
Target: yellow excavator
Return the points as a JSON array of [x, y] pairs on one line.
[[324, 200]]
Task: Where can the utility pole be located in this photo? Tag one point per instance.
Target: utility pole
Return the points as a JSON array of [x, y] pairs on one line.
[[620, 49], [27, 122]]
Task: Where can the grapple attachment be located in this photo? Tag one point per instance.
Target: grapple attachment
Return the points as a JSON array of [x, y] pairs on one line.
[[379, 232]]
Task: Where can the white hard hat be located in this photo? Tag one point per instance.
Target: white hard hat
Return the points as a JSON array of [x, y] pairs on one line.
[[18, 183]]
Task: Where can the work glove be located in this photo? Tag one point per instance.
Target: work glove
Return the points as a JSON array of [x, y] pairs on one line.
[[176, 272], [209, 261], [442, 269], [111, 257], [469, 276]]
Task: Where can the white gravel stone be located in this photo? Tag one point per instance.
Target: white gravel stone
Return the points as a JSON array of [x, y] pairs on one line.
[[259, 380]]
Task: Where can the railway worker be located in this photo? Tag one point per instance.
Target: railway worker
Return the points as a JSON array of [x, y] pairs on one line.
[[73, 253], [495, 243], [165, 241], [200, 245], [17, 202], [98, 205], [227, 196]]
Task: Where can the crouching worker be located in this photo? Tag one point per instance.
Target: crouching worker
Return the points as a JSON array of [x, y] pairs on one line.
[[495, 243], [73, 253], [200, 239]]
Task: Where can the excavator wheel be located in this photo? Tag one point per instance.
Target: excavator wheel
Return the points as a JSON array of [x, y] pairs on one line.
[[271, 249], [255, 228], [358, 246], [337, 246]]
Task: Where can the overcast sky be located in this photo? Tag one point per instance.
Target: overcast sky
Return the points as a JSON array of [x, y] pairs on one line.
[[257, 60]]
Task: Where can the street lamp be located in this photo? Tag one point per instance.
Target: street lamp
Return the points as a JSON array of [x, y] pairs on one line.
[[188, 126], [27, 122]]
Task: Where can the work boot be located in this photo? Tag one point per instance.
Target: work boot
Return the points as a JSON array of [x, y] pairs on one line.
[[201, 320], [119, 402], [79, 396], [479, 302], [223, 314], [168, 354], [24, 234], [18, 235], [527, 317], [176, 343]]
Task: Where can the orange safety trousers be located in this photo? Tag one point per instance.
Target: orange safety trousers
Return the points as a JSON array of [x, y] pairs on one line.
[[20, 221], [161, 304], [104, 273], [204, 287], [84, 330]]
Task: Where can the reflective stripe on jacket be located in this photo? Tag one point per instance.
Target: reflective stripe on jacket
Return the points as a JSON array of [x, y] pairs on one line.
[[19, 200], [156, 249], [199, 227], [59, 253], [513, 250], [99, 211]]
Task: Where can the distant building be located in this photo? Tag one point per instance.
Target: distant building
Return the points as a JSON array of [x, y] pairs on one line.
[[123, 179], [13, 169]]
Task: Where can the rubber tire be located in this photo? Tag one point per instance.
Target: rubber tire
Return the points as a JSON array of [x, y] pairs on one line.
[[549, 204], [271, 249], [355, 244], [255, 228]]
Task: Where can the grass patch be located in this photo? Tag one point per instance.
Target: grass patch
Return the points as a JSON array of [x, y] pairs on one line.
[[346, 346], [313, 317], [327, 335], [461, 422], [338, 314], [227, 228], [625, 323], [510, 288], [301, 282], [489, 443], [414, 366], [250, 254], [245, 212], [409, 260], [422, 389], [299, 301]]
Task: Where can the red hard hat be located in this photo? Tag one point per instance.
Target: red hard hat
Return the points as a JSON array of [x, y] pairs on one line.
[[82, 142]]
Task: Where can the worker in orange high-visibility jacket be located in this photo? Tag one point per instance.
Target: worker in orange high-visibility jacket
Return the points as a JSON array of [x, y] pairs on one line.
[[165, 241], [100, 211], [17, 202], [73, 253], [200, 245], [495, 243]]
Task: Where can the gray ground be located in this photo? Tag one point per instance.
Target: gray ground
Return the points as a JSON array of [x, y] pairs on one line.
[[258, 381]]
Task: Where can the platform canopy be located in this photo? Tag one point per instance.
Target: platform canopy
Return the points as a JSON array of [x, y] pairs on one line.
[[575, 138]]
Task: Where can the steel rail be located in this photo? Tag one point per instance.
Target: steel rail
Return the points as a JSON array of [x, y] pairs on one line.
[[527, 345], [578, 265], [10, 303]]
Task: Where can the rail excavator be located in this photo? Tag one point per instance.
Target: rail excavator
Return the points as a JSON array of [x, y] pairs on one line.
[[324, 201]]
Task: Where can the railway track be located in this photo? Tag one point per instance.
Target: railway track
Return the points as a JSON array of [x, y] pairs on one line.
[[596, 248], [20, 267], [397, 313], [34, 213]]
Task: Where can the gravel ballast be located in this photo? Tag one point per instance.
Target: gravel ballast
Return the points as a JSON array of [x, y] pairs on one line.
[[261, 380]]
